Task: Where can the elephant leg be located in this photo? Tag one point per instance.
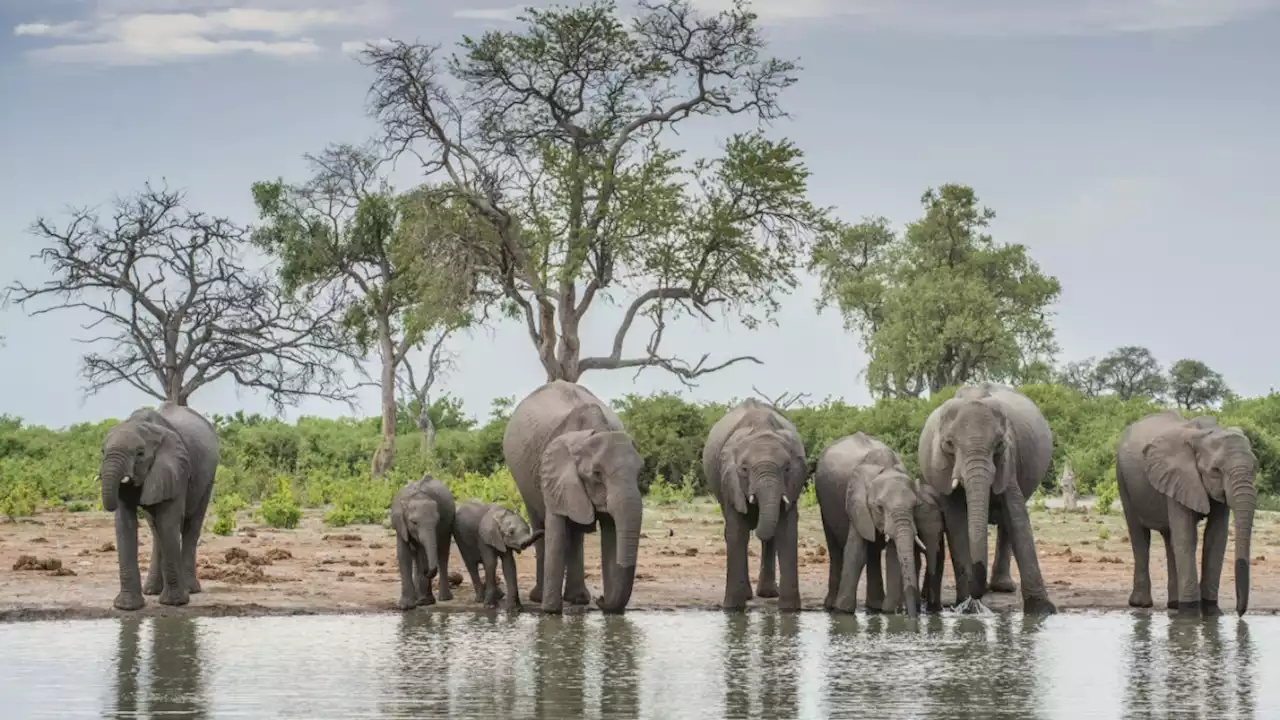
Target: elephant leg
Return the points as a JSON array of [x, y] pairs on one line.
[[1140, 542], [893, 593], [154, 583], [408, 585], [956, 526], [787, 547], [767, 584], [557, 537], [737, 580], [575, 582], [490, 559], [1182, 526], [1170, 562], [477, 584], [445, 591], [1001, 577], [423, 576], [835, 553], [537, 522], [169, 523], [875, 578], [509, 574], [192, 525], [1035, 597], [855, 557], [1211, 556], [130, 597]]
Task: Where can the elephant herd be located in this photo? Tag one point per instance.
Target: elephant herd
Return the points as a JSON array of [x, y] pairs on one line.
[[981, 455]]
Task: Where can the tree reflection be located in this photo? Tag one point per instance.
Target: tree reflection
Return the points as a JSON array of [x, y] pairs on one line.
[[175, 683]]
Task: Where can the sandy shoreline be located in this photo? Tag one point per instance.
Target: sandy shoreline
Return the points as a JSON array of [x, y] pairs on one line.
[[262, 571]]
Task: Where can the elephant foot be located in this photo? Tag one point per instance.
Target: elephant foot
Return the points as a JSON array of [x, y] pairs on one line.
[[153, 586], [579, 596], [535, 595], [175, 597], [1171, 605], [789, 602], [1189, 609], [407, 603], [445, 595], [1140, 599], [193, 586], [511, 605], [1038, 606], [1209, 608], [767, 589], [829, 602], [850, 607], [426, 600], [609, 610], [129, 601], [1002, 585], [736, 600], [873, 609], [552, 608]]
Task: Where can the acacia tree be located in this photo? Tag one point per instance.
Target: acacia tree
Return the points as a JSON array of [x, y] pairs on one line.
[[1082, 376], [941, 304], [178, 307], [1194, 385], [1131, 371], [342, 231], [554, 137]]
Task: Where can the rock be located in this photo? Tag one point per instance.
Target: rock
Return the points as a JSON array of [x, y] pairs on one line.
[[345, 537], [347, 574], [107, 547], [235, 555], [380, 563], [31, 562], [820, 551], [455, 579], [1075, 559], [691, 552], [1109, 559], [251, 534], [375, 546], [63, 572], [359, 563]]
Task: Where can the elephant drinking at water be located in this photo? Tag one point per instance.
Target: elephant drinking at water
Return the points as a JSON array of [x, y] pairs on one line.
[[1171, 473], [755, 466], [984, 451], [422, 514], [164, 461], [575, 464]]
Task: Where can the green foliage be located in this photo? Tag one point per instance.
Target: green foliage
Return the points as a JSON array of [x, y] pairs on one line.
[[1107, 492], [225, 507], [1130, 372], [19, 499], [280, 509], [1193, 385], [665, 492]]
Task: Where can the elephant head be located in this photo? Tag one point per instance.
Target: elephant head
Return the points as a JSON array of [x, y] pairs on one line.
[[416, 517], [1199, 461], [503, 529], [586, 472], [977, 442], [143, 461], [755, 467], [931, 530], [883, 501]]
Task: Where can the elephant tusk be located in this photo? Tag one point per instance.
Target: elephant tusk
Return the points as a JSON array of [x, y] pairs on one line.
[[786, 502], [920, 544], [124, 480], [751, 498], [955, 483]]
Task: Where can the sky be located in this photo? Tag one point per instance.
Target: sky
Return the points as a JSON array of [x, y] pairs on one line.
[[1129, 144]]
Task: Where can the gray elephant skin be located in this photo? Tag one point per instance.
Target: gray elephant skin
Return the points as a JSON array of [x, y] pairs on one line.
[[754, 463], [488, 533], [984, 451], [422, 515], [1171, 473], [870, 505], [162, 460], [575, 464]]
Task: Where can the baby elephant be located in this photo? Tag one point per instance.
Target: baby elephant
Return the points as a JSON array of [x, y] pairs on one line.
[[869, 504], [422, 515], [484, 532]]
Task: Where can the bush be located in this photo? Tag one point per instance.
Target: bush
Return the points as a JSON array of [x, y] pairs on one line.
[[19, 500], [225, 507], [662, 492], [280, 509]]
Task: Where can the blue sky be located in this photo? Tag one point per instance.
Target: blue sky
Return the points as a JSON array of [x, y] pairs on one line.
[[1130, 144]]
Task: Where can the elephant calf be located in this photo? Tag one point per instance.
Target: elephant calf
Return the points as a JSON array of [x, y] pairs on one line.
[[486, 532], [422, 514], [1171, 473], [869, 504]]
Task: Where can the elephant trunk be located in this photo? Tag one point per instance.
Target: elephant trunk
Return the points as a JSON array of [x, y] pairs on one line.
[[428, 540], [904, 540], [1242, 499], [767, 491], [109, 474], [977, 477], [626, 510]]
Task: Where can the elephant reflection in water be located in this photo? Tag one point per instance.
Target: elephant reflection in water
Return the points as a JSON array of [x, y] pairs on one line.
[[989, 668], [1199, 671], [176, 684], [864, 670], [765, 662], [560, 650], [420, 683]]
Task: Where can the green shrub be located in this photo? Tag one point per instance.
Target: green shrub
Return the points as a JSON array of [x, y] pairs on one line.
[[225, 507], [280, 509], [1107, 492], [20, 499], [662, 492]]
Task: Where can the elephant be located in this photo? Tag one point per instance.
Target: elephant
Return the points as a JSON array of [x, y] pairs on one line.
[[574, 464], [984, 451], [422, 515], [162, 460], [1171, 472], [869, 504], [754, 463], [487, 533]]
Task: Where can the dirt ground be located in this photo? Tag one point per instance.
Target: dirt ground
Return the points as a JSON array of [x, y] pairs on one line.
[[71, 571]]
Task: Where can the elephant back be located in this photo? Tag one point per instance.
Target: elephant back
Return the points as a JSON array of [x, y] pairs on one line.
[[750, 414], [201, 440]]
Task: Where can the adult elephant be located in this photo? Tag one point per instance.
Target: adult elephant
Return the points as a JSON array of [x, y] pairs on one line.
[[754, 463], [575, 464], [162, 460], [1171, 473], [984, 451]]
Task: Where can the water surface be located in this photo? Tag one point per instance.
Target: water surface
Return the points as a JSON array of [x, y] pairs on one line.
[[642, 665]]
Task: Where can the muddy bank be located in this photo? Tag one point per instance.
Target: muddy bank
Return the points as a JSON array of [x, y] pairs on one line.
[[62, 566]]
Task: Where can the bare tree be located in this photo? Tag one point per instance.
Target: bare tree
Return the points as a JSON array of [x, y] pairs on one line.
[[416, 387], [555, 143], [177, 306], [783, 401]]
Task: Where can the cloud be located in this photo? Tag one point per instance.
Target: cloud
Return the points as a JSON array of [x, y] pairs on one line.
[[508, 14], [1012, 17], [353, 47], [170, 30]]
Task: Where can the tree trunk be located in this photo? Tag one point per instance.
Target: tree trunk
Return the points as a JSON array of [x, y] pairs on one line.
[[386, 453], [1068, 483], [427, 429]]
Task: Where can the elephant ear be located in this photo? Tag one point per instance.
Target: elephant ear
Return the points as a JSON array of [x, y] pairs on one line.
[[397, 518], [491, 531], [170, 468], [1170, 462], [562, 486], [857, 502], [730, 481]]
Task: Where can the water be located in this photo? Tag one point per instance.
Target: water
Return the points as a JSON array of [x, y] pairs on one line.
[[642, 665]]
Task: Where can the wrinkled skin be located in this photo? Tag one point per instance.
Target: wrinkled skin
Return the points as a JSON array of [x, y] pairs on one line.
[[487, 534], [1172, 473], [574, 464], [164, 461], [984, 451], [870, 506], [422, 514], [754, 463]]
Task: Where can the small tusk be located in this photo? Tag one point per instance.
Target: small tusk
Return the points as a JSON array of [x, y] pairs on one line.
[[920, 544], [124, 480], [751, 498], [955, 483], [786, 501]]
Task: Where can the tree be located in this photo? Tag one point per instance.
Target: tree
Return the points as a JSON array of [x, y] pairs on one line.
[[1194, 385], [555, 139], [416, 387], [1131, 371], [1082, 376], [340, 231], [173, 297], [942, 304]]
